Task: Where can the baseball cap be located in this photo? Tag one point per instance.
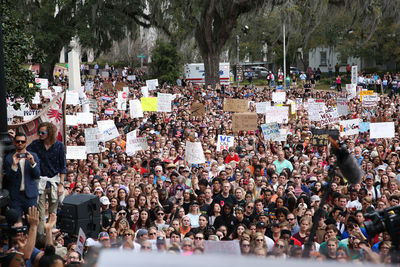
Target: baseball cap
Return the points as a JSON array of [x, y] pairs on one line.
[[374, 154], [261, 225], [104, 236], [104, 200], [381, 168], [141, 232], [313, 179], [160, 240], [369, 176], [315, 198]]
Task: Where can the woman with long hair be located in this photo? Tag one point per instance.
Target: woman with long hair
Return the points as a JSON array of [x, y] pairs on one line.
[[238, 231], [122, 197], [144, 219], [214, 212]]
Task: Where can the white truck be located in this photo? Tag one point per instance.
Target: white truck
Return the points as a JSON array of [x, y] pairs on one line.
[[194, 73]]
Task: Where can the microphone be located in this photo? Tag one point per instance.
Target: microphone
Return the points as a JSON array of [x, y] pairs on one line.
[[346, 163]]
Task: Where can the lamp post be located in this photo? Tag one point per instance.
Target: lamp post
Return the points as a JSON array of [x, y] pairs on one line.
[[284, 56]]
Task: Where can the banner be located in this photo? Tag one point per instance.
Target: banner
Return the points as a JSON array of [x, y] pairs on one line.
[[277, 114], [244, 122], [52, 113], [194, 153], [364, 126], [152, 84], [279, 97], [349, 127], [135, 109], [108, 129], [76, 152], [342, 107], [164, 102], [225, 142], [92, 138], [270, 130], [382, 130], [149, 103], [320, 136], [261, 107], [235, 105], [134, 144]]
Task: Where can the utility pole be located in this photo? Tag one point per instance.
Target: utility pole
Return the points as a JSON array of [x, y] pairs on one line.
[[237, 61], [284, 57]]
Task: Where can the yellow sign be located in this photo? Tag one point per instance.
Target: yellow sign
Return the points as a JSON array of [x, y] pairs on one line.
[[368, 92], [149, 103], [30, 85]]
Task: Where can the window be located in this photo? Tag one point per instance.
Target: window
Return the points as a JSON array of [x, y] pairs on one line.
[[323, 60]]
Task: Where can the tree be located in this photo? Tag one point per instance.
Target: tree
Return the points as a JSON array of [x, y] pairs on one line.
[[96, 24], [18, 47], [165, 62]]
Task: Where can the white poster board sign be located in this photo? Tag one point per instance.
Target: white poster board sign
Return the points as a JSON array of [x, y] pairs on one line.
[[76, 152], [277, 114], [145, 91], [109, 130], [134, 144], [71, 120], [279, 97], [46, 93], [225, 142], [164, 102], [194, 153], [80, 243], [84, 117], [342, 107], [349, 127], [72, 98], [351, 90], [282, 136], [92, 137], [152, 84], [44, 83], [354, 75], [36, 98], [261, 107], [135, 108], [382, 130], [57, 89], [329, 116], [222, 247]]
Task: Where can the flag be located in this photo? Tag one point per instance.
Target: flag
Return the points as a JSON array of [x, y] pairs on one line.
[[54, 113]]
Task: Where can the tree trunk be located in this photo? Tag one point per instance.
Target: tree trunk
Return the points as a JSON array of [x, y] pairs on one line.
[[211, 68], [47, 68]]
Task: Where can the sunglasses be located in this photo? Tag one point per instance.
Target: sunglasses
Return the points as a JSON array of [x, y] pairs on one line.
[[111, 191], [279, 246], [160, 213], [260, 240], [43, 132], [153, 203], [122, 213], [179, 189], [20, 141], [143, 247], [127, 234], [152, 233], [187, 245], [245, 245], [198, 238]]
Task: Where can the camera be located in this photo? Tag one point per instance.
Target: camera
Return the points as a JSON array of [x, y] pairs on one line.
[[22, 155]]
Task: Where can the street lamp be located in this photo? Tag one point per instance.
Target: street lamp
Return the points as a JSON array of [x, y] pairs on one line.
[[245, 30]]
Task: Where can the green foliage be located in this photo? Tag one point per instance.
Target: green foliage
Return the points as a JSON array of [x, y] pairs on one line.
[[18, 45], [165, 62]]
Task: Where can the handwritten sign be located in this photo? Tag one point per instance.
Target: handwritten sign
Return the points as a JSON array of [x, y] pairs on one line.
[[244, 122], [164, 102], [194, 153], [71, 120], [235, 105], [366, 92], [277, 114], [342, 107], [330, 116], [279, 97], [349, 127], [84, 117], [134, 144], [44, 83], [314, 109], [149, 103], [76, 152], [225, 142], [108, 129], [370, 100], [92, 137], [145, 91], [152, 84], [270, 130], [320, 136], [261, 107], [382, 130], [72, 98], [30, 114], [351, 90], [135, 108], [36, 98]]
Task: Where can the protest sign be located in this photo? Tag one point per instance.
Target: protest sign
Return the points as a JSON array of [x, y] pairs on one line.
[[36, 98], [279, 97], [329, 116], [282, 136], [106, 98], [354, 74], [135, 109], [194, 153], [152, 84], [320, 136], [89, 86], [225, 142], [382, 130], [235, 105], [84, 117], [370, 100], [72, 98], [261, 107], [244, 122], [149, 103], [121, 104], [131, 77], [299, 103], [46, 93], [44, 83], [92, 137], [80, 243], [108, 129], [277, 114], [164, 102], [29, 114], [351, 90], [134, 144], [364, 126], [314, 109], [342, 107], [366, 92], [349, 127], [57, 89], [222, 247], [76, 152], [71, 120], [270, 130], [145, 91], [105, 74], [92, 105], [198, 109]]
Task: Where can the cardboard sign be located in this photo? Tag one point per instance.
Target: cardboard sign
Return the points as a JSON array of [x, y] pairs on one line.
[[198, 109], [194, 153], [108, 129], [76, 152], [261, 107], [135, 109], [149, 103], [164, 102], [84, 117], [364, 126], [72, 98], [349, 127], [244, 122], [330, 116], [270, 130], [320, 136], [342, 107], [134, 144], [225, 142], [44, 83], [279, 97], [235, 105], [92, 138], [382, 130], [152, 84], [277, 114]]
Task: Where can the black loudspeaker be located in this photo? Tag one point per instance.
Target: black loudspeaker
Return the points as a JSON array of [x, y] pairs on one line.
[[80, 211]]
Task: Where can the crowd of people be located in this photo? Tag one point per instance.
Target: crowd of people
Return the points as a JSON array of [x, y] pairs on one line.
[[258, 194]]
